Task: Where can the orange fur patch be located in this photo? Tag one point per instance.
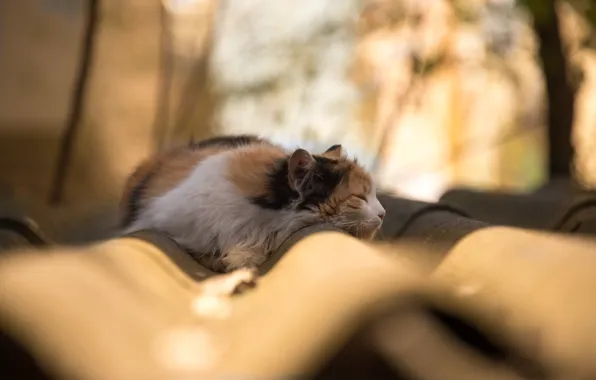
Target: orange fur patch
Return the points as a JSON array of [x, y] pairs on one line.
[[358, 181], [250, 166], [143, 171], [174, 170]]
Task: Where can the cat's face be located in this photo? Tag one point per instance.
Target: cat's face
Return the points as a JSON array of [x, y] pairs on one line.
[[361, 214], [339, 190]]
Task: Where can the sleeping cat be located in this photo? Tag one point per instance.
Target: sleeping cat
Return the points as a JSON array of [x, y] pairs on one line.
[[231, 201]]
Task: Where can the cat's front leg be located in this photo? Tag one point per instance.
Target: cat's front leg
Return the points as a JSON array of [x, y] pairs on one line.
[[238, 257]]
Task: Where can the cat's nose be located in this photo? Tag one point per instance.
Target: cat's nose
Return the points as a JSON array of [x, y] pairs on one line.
[[382, 214]]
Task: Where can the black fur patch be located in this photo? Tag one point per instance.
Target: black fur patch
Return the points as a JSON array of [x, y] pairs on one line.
[[334, 147], [280, 194], [134, 206], [232, 141], [322, 183]]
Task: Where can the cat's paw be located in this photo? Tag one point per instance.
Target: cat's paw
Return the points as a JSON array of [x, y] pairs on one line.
[[242, 258], [247, 279], [235, 282]]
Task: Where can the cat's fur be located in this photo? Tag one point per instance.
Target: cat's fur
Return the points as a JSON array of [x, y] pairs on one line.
[[233, 200]]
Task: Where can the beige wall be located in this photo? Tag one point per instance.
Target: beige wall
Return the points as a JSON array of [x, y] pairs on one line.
[[39, 56], [41, 51]]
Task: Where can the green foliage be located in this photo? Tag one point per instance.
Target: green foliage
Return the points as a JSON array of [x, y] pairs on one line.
[[540, 9], [587, 8], [464, 14], [427, 66]]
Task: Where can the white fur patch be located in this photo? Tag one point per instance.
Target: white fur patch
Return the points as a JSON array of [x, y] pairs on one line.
[[373, 206]]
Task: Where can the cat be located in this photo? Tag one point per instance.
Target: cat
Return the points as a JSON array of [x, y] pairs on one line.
[[231, 201]]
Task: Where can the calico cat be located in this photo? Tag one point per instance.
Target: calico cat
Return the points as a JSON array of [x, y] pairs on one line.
[[232, 200]]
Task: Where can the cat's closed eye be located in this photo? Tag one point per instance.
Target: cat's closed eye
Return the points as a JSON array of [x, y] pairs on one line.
[[362, 197]]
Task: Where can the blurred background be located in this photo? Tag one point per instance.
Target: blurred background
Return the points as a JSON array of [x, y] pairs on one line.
[[428, 94]]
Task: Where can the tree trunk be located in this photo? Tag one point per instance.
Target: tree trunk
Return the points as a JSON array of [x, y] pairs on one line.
[[560, 94]]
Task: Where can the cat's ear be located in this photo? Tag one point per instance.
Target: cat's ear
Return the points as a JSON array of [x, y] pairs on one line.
[[300, 164], [336, 151]]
